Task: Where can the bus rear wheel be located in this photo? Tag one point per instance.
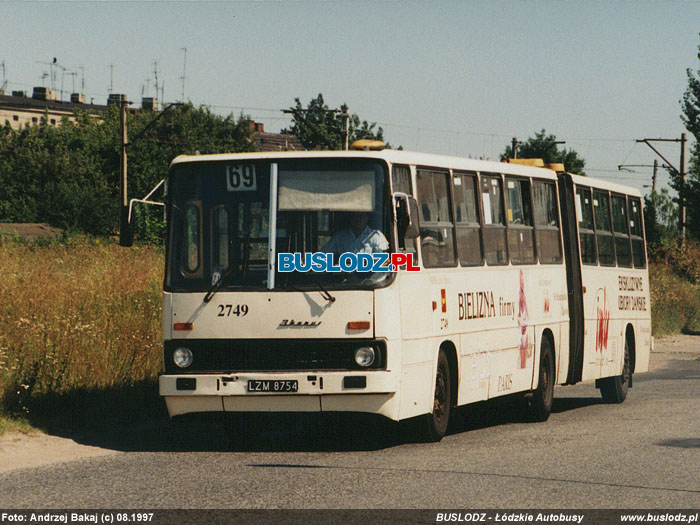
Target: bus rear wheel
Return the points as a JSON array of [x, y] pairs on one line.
[[540, 404], [435, 424], [614, 389]]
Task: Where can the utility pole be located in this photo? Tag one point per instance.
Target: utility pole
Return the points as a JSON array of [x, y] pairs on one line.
[[126, 233], [682, 198], [681, 172], [346, 133], [514, 147], [126, 237], [624, 167], [184, 69], [653, 184]]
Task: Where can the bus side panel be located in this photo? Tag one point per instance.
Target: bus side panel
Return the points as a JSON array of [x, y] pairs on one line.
[[476, 368], [615, 298], [420, 346], [602, 334], [642, 334]]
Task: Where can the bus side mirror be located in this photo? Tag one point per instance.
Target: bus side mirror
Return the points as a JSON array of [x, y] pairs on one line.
[[407, 216]]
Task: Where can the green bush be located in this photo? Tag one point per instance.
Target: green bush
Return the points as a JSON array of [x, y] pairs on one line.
[[68, 176]]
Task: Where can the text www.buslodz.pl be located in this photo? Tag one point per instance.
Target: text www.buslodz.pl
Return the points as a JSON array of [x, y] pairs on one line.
[[347, 262]]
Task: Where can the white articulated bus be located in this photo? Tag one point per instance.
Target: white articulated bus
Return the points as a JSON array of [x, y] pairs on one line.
[[528, 278]]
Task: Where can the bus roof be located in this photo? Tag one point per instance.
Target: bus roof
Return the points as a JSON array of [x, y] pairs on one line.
[[389, 155], [605, 185], [408, 157]]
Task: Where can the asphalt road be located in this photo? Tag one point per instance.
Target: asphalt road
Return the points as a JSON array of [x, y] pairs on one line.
[[643, 453]]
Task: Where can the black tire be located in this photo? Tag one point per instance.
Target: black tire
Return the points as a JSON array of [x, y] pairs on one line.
[[614, 389], [540, 404], [435, 423]]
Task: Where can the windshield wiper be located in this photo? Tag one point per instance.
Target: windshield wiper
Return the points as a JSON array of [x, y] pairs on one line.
[[217, 285], [324, 293]]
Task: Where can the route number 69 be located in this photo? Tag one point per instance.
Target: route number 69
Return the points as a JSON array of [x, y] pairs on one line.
[[241, 178]]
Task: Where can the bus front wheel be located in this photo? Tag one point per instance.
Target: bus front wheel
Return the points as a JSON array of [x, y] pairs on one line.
[[614, 389], [435, 424], [540, 404]]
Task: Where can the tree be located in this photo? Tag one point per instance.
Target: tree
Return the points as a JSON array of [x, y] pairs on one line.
[[68, 176], [320, 128], [543, 146], [660, 218], [690, 105]]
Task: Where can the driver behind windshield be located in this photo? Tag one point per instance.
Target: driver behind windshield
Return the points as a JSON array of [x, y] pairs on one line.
[[359, 237]]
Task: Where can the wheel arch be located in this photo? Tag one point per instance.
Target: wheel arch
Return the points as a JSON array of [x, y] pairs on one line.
[[450, 350], [549, 335], [630, 339]]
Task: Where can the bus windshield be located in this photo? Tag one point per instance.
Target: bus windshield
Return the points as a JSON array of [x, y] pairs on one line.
[[220, 220]]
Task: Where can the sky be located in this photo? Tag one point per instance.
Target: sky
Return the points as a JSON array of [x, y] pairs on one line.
[[459, 78]]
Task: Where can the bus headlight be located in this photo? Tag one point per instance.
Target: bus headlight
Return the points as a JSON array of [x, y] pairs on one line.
[[182, 357], [364, 356]]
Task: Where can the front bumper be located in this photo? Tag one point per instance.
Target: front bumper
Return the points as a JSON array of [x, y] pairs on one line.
[[317, 392]]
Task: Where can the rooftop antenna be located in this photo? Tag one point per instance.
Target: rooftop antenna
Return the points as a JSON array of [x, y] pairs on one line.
[[63, 73], [155, 74], [111, 77], [82, 81], [52, 76], [4, 81], [73, 74], [184, 67], [44, 76]]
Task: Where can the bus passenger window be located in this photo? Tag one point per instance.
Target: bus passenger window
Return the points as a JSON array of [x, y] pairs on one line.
[[603, 230], [494, 231], [468, 227], [546, 222], [585, 226], [436, 227], [635, 216], [521, 242], [620, 225]]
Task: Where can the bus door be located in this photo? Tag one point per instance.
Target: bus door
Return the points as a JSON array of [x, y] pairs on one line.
[[569, 219]]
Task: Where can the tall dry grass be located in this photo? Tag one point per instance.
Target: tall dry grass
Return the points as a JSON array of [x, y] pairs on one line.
[[77, 315], [675, 302]]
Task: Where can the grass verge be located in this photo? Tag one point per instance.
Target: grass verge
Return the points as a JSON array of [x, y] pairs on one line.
[[80, 334]]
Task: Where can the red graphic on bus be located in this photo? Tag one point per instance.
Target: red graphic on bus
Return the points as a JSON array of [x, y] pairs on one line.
[[525, 350], [602, 320]]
